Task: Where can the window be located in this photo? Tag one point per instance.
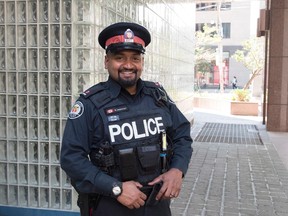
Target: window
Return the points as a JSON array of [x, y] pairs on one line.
[[226, 27], [212, 6]]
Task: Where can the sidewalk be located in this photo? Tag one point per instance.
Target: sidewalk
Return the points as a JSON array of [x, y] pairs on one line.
[[235, 170]]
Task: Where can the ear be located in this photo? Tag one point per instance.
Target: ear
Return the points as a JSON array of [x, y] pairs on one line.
[[106, 61]]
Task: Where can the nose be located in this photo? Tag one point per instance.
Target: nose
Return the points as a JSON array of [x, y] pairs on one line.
[[128, 64]]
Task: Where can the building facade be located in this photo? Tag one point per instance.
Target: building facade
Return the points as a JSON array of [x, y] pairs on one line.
[[238, 20], [49, 54]]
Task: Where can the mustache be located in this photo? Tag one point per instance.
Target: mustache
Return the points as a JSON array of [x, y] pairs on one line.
[[127, 70]]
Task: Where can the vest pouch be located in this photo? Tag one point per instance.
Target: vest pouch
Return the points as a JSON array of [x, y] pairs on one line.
[[127, 165], [149, 158]]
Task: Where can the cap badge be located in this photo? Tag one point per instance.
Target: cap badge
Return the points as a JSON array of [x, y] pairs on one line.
[[129, 36]]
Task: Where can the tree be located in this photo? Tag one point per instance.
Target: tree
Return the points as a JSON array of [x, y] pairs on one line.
[[205, 48], [252, 57]]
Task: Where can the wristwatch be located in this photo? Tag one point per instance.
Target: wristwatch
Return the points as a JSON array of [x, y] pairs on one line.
[[116, 189]]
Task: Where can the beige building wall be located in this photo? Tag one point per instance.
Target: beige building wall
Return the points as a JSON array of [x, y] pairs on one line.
[[277, 107]]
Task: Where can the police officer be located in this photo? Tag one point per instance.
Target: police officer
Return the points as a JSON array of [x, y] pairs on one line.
[[125, 140]]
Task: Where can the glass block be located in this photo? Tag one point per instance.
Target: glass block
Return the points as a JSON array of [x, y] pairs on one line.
[[44, 175], [11, 31], [23, 128], [44, 197], [66, 182], [10, 12], [22, 59], [55, 35], [23, 151], [33, 105], [33, 129], [11, 59], [32, 35], [12, 151], [55, 129], [83, 35], [43, 7], [33, 82], [55, 59], [2, 35], [3, 128], [66, 35], [12, 171], [83, 10], [67, 199], [32, 59], [23, 174], [81, 82], [12, 87], [55, 106], [33, 152], [55, 83], [2, 13], [55, 198], [12, 105], [66, 106], [4, 195], [2, 59], [22, 106], [66, 83], [3, 151], [3, 176], [67, 10], [21, 11], [55, 10], [13, 195], [12, 128], [21, 36], [44, 80], [23, 196], [44, 106], [34, 196], [2, 106], [32, 11], [44, 59], [22, 82], [55, 152], [44, 129], [66, 59], [55, 176], [2, 82], [83, 58], [33, 174], [44, 35], [44, 152]]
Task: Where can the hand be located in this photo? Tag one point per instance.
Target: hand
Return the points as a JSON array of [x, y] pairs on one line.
[[172, 182], [131, 196]]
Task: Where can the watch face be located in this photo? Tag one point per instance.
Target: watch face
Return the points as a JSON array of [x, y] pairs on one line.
[[116, 190]]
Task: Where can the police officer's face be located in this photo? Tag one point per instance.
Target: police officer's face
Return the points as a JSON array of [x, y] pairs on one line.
[[125, 67]]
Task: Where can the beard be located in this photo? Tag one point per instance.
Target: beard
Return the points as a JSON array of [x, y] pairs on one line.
[[129, 82]]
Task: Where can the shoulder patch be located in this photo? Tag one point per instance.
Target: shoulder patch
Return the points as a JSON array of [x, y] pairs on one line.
[[77, 110]]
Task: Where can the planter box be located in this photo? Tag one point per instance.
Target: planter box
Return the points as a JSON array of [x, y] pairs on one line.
[[244, 108]]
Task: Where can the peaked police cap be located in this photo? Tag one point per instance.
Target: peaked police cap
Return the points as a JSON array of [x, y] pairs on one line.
[[124, 36]]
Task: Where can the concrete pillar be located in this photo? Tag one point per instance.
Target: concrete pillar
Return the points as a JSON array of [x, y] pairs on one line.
[[277, 109]]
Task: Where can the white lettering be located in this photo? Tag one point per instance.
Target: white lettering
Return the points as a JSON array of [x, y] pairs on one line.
[[130, 130], [113, 132], [137, 136], [151, 131], [159, 123]]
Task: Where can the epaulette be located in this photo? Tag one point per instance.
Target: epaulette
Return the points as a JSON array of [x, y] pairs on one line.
[[93, 90], [150, 84]]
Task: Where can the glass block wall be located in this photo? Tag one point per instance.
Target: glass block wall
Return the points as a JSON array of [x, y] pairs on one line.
[[48, 55]]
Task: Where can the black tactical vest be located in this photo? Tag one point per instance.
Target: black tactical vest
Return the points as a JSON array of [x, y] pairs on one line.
[[134, 131]]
